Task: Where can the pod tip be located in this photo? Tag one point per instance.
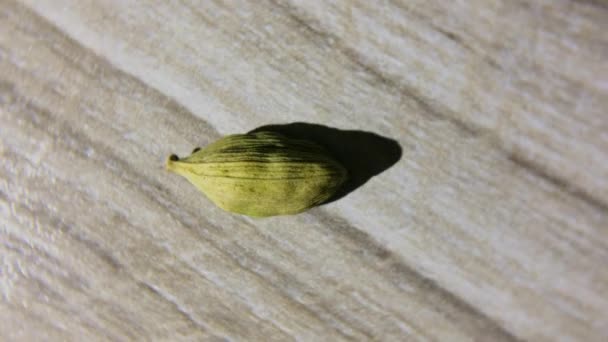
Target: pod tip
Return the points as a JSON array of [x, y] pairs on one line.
[[169, 164]]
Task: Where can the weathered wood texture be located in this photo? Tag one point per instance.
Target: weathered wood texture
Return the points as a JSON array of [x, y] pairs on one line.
[[492, 226]]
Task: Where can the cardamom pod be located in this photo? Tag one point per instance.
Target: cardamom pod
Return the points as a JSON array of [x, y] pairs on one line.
[[262, 174]]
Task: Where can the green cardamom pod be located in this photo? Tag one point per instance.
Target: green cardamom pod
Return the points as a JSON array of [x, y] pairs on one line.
[[262, 174]]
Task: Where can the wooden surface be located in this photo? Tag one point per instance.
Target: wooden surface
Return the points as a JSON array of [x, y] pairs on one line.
[[493, 225]]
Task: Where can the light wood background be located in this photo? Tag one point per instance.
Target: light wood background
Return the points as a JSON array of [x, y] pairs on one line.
[[493, 226]]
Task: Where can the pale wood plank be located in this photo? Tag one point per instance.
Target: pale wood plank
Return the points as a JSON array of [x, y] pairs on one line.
[[465, 238]]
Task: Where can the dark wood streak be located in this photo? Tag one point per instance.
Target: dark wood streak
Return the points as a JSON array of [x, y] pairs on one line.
[[598, 4], [538, 170]]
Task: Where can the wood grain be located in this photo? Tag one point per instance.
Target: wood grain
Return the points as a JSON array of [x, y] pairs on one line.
[[492, 226]]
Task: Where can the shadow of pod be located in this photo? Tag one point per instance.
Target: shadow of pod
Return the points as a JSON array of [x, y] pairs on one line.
[[363, 154]]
